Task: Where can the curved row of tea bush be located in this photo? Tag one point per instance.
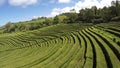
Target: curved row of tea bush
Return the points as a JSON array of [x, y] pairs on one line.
[[92, 47]]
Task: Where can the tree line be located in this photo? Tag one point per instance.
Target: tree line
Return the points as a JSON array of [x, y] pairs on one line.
[[88, 15]]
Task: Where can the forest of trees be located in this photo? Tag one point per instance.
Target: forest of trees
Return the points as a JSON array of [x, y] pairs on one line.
[[88, 15]]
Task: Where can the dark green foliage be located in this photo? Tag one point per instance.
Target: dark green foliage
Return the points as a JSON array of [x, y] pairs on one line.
[[9, 27], [56, 20], [116, 18], [25, 26], [70, 17], [97, 21], [105, 14], [48, 21]]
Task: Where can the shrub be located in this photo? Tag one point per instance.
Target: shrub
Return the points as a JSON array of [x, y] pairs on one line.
[[116, 18], [97, 21]]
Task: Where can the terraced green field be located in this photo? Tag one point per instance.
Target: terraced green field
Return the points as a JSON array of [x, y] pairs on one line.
[[63, 46]]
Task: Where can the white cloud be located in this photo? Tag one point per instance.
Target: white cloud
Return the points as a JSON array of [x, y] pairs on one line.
[[81, 5], [64, 1], [35, 17], [90, 3], [22, 3], [57, 11]]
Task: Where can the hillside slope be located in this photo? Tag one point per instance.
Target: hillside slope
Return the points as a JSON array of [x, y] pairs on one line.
[[62, 46]]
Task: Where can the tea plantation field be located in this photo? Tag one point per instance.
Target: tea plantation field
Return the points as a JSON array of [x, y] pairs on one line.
[[63, 46]]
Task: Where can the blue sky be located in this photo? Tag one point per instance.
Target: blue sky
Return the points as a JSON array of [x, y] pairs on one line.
[[22, 10]]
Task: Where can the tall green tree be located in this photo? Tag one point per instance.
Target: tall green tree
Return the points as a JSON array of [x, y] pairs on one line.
[[106, 14], [116, 5], [9, 27], [94, 8]]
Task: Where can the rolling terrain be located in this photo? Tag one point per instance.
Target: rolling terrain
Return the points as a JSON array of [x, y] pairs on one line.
[[62, 46]]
